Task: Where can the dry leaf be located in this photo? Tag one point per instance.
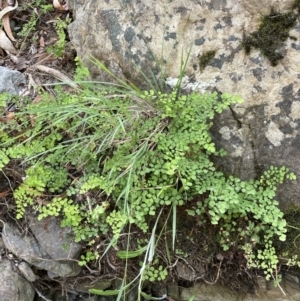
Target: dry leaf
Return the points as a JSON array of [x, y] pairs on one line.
[[41, 202], [20, 62], [8, 117], [38, 99], [3, 194], [8, 9], [42, 42], [6, 25], [16, 60], [5, 17], [5, 21], [51, 41], [44, 57], [6, 44]]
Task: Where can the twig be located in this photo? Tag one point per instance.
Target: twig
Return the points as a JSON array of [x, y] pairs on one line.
[[275, 278], [3, 230], [65, 79], [7, 180], [40, 294], [218, 275]]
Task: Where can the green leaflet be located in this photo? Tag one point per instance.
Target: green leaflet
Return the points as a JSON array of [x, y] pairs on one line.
[[104, 293], [131, 254]]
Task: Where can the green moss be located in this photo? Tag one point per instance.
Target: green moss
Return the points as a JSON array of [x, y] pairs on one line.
[[273, 31], [206, 58]]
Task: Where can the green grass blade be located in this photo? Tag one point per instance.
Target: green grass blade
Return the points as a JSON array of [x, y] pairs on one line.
[[131, 254], [104, 293], [174, 224]]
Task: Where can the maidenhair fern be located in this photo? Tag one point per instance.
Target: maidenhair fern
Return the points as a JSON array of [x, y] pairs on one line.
[[138, 152]]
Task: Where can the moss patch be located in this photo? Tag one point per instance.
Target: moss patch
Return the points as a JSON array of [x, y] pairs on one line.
[[206, 58], [273, 31]]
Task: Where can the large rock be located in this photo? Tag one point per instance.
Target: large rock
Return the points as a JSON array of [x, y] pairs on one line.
[[49, 248], [265, 291], [13, 287], [11, 81], [257, 8], [153, 35]]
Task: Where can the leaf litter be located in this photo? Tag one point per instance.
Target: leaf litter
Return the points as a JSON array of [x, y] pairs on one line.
[[27, 31]]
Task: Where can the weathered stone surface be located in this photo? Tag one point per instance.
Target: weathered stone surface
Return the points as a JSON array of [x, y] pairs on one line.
[[12, 82], [258, 8], [265, 129], [56, 240], [13, 286], [50, 248], [266, 292], [2, 246], [26, 271]]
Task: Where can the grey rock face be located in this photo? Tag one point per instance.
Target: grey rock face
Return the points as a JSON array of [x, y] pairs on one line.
[[265, 292], [13, 286], [26, 271], [130, 35], [50, 249], [12, 82]]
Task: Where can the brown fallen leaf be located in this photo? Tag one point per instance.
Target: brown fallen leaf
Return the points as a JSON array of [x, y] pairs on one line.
[[41, 202], [44, 57], [42, 42], [20, 62], [6, 24], [8, 7], [38, 99], [4, 193], [6, 44], [14, 59], [51, 41], [8, 117]]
